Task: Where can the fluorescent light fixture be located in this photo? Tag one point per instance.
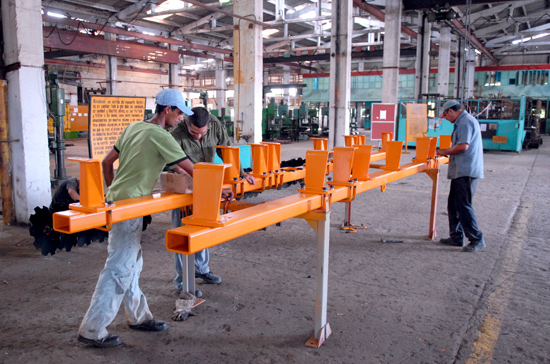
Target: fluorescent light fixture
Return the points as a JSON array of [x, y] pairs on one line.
[[527, 39], [148, 33], [308, 15], [266, 33], [56, 15], [369, 23]]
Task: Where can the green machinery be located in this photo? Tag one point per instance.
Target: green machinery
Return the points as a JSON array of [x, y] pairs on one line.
[[278, 123], [55, 97], [225, 119]]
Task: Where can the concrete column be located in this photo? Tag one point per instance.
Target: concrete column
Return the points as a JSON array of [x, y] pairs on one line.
[[111, 69], [173, 71], [459, 69], [470, 58], [248, 68], [392, 35], [340, 72], [220, 86], [27, 114], [286, 81], [423, 57], [444, 61]]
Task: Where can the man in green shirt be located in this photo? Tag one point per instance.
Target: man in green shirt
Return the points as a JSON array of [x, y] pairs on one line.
[[198, 136], [144, 148]]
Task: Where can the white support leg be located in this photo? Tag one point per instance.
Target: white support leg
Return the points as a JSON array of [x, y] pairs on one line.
[[320, 222], [188, 273]]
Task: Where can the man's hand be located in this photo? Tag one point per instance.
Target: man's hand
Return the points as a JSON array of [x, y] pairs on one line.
[[227, 195], [249, 178]]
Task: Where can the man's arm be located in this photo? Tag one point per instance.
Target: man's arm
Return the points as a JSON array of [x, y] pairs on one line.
[[107, 164], [185, 165], [459, 148], [74, 195]]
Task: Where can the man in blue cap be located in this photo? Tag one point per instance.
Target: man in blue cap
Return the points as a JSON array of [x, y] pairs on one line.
[[465, 168], [143, 149]]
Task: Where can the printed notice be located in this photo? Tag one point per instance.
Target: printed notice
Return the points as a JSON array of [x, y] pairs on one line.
[[109, 116], [417, 121]]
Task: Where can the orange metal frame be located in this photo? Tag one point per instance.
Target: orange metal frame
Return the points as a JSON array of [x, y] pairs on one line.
[[206, 227]]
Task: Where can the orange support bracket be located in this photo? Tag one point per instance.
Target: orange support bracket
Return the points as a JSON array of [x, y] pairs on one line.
[[207, 194], [354, 140], [92, 197], [316, 165], [232, 157], [386, 137], [361, 162], [445, 141], [273, 156], [425, 149], [393, 155], [342, 163], [349, 140], [320, 143], [259, 160]]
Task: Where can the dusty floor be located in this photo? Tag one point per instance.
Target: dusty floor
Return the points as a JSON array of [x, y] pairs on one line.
[[415, 302]]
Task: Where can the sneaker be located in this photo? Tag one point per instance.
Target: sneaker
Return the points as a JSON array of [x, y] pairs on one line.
[[108, 341], [209, 278], [451, 242], [474, 246], [151, 325]]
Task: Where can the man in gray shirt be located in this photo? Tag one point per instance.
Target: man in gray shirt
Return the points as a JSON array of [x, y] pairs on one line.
[[465, 168]]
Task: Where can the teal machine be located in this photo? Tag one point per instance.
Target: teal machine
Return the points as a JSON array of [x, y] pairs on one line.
[[497, 117], [436, 126]]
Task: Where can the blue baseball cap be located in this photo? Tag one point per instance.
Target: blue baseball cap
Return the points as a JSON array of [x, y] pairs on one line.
[[172, 97], [447, 105]]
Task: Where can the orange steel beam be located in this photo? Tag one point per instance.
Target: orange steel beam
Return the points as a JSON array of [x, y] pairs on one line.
[[72, 221], [190, 239], [92, 212]]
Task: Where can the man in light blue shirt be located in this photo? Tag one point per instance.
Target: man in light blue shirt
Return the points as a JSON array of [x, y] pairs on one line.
[[465, 168]]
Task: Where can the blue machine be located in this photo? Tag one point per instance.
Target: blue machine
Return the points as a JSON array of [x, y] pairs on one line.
[[497, 117]]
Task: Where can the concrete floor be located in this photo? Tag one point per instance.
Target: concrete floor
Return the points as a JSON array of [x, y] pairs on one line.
[[412, 302]]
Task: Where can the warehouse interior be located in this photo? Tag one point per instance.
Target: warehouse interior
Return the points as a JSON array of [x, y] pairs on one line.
[[288, 76]]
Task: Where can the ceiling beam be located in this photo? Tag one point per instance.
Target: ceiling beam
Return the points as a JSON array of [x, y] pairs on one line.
[[381, 16], [120, 31], [476, 42], [75, 41]]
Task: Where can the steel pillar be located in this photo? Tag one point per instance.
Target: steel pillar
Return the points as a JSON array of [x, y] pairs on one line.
[[247, 69], [111, 69], [392, 36], [27, 114], [340, 72], [423, 57], [444, 61]]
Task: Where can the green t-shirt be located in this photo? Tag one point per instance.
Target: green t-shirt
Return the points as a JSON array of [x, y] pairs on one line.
[[144, 149]]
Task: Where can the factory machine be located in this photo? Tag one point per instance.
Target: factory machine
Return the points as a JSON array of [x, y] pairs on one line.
[[506, 124]]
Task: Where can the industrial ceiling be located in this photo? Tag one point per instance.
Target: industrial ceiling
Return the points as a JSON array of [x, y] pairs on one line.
[[296, 32]]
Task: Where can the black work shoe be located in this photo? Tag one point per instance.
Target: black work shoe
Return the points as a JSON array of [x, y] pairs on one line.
[[451, 242], [474, 246], [151, 325], [209, 278], [108, 341]]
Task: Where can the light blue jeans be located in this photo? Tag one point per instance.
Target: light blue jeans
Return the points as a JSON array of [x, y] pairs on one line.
[[118, 283], [202, 258]]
